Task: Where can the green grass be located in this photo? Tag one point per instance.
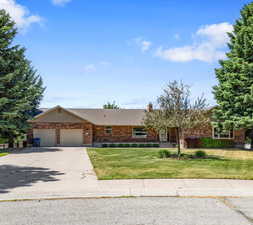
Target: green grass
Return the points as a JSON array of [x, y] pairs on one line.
[[128, 163], [3, 154]]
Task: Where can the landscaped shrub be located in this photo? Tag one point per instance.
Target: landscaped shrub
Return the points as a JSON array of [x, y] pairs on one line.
[[164, 154], [149, 145], [3, 141], [141, 145], [134, 145], [120, 145], [104, 145], [216, 143], [126, 145], [112, 145], [200, 154], [155, 145]]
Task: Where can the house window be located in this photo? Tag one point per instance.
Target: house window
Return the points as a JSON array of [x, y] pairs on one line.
[[108, 130], [223, 134], [139, 132]]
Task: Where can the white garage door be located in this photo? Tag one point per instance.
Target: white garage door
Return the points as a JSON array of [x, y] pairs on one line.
[[47, 137], [71, 137]]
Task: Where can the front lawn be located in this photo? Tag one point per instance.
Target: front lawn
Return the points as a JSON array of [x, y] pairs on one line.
[[3, 154], [111, 163]]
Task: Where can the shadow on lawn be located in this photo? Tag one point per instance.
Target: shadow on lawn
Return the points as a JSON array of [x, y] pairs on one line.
[[17, 176], [188, 156]]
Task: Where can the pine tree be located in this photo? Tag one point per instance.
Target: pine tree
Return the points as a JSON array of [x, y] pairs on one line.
[[234, 92], [20, 87]]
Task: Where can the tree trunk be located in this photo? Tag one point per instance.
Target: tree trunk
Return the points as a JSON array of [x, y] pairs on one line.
[[11, 143], [178, 143]]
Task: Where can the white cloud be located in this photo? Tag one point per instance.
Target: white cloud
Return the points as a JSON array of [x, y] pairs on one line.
[[90, 68], [19, 13], [208, 47], [105, 63], [60, 2], [143, 44]]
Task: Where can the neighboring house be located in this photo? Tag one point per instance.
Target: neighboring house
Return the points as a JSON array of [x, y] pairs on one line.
[[60, 126]]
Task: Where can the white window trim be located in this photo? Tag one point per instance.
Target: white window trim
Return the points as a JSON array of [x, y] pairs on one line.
[[223, 137], [108, 128], [138, 136]]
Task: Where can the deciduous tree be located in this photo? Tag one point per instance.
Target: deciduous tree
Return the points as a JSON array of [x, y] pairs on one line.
[[176, 110], [110, 105]]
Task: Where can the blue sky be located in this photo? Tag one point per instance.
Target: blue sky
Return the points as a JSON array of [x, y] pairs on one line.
[[91, 52]]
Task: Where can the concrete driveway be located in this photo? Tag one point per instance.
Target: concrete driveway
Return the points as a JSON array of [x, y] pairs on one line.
[[46, 172]]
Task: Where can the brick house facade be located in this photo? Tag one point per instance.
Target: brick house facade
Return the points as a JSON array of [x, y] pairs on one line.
[[59, 127]]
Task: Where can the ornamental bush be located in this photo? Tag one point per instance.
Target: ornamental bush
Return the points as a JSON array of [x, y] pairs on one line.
[[164, 154], [200, 154], [216, 143]]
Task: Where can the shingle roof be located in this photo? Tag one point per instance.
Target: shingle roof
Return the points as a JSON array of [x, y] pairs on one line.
[[109, 117]]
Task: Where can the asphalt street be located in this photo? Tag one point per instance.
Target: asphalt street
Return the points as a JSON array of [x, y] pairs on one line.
[[129, 211]]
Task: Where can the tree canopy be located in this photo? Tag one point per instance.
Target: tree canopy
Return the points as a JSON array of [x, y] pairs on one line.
[[176, 110], [21, 88], [234, 92], [110, 105]]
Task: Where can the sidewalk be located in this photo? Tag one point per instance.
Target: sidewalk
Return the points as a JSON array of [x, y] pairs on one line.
[[137, 188]]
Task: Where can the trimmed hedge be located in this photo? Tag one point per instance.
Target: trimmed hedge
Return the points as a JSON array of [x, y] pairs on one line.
[[133, 145], [216, 143]]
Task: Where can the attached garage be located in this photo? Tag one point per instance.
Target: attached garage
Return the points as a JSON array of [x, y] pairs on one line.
[[62, 127], [71, 137], [47, 137]]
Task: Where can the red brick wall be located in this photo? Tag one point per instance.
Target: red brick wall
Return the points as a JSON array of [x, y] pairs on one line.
[[205, 131], [93, 133], [239, 135], [121, 134]]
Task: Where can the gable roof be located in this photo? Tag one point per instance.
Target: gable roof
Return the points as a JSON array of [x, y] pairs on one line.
[[105, 117], [45, 111]]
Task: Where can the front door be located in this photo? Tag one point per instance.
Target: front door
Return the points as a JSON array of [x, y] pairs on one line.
[[163, 136]]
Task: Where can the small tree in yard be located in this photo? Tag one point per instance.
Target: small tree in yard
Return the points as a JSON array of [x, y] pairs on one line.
[[234, 92], [177, 111]]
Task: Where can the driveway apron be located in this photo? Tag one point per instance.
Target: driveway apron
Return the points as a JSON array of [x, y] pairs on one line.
[[46, 172]]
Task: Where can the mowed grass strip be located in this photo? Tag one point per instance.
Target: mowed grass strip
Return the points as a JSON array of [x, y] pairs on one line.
[[3, 154], [140, 163]]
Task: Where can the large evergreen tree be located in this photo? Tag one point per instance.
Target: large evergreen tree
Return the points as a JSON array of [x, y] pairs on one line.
[[234, 92], [20, 87]]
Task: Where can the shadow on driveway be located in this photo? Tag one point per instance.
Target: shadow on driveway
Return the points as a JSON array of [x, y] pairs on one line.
[[18, 176], [35, 150]]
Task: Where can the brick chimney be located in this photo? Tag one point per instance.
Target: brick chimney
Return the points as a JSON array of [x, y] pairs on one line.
[[150, 107]]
